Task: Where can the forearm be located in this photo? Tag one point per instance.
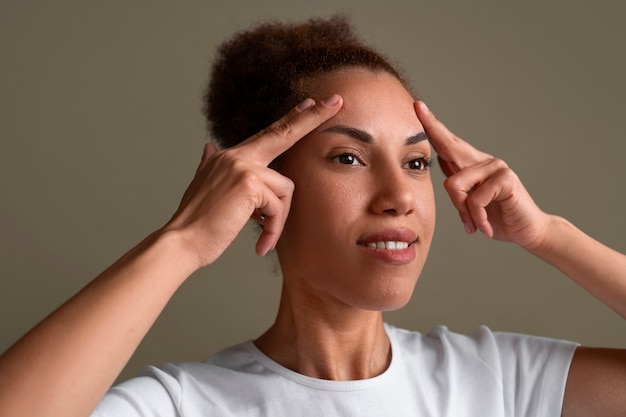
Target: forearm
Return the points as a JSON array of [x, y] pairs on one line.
[[595, 267], [65, 364]]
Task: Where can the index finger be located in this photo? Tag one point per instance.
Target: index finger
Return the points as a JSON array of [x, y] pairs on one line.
[[455, 151], [281, 135]]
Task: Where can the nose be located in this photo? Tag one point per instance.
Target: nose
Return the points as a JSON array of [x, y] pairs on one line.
[[393, 192]]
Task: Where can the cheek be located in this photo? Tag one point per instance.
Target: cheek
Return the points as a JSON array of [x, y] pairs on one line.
[[426, 209], [330, 203], [321, 215]]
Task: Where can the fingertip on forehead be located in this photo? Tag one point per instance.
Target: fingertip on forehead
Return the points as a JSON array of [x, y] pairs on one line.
[[306, 104], [333, 100], [421, 106]]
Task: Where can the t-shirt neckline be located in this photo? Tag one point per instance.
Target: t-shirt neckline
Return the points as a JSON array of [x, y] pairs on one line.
[[325, 384]]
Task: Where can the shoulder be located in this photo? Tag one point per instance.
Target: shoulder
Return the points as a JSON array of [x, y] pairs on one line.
[[500, 355], [236, 360], [180, 388], [482, 342], [525, 374]]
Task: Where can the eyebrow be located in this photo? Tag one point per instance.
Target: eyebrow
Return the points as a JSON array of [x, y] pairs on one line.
[[365, 137]]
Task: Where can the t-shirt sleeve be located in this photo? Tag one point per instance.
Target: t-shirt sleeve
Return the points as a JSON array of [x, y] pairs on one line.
[[533, 370], [154, 393], [488, 373]]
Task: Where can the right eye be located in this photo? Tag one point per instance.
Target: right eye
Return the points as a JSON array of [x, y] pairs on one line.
[[347, 159]]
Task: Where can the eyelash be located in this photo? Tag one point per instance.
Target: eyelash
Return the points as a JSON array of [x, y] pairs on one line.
[[355, 158], [424, 161]]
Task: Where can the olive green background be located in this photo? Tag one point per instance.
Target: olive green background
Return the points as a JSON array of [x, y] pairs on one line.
[[101, 130]]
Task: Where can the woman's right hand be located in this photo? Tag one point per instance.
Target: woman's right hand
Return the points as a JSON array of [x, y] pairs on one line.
[[99, 328], [232, 185]]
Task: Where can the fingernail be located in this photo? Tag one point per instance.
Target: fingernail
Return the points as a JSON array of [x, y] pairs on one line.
[[424, 106], [332, 100], [306, 104], [469, 228]]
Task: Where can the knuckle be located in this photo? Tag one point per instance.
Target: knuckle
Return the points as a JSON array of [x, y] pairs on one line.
[[498, 163], [226, 156], [506, 175], [283, 128], [509, 173], [231, 161], [237, 168], [451, 184], [290, 186], [473, 202], [248, 180], [284, 188]]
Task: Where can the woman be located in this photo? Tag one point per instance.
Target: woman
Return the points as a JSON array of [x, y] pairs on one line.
[[341, 189]]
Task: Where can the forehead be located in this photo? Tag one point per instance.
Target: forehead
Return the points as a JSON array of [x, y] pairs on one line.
[[372, 100]]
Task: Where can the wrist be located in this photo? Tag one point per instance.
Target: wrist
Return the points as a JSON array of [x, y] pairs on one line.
[[174, 248], [191, 248], [551, 234]]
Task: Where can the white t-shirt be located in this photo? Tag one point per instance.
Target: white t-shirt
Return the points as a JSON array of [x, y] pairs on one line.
[[439, 374]]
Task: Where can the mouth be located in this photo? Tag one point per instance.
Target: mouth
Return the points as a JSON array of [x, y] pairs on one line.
[[389, 240], [388, 245], [393, 247]]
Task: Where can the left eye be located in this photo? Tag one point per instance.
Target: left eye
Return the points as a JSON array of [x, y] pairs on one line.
[[419, 164], [347, 159]]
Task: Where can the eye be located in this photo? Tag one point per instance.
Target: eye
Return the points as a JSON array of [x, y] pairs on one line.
[[347, 159], [418, 164]]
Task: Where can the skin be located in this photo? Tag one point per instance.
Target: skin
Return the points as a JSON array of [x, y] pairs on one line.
[[329, 313], [347, 192]]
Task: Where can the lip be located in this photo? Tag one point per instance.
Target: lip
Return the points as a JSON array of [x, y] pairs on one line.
[[395, 256]]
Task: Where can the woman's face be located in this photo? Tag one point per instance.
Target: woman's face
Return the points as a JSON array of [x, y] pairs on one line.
[[363, 210]]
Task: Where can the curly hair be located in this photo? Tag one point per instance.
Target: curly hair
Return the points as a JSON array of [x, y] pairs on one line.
[[256, 74]]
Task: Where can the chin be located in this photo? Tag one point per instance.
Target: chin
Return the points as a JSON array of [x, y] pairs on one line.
[[385, 301], [392, 306]]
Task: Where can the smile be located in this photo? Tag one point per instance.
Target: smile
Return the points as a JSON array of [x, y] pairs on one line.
[[388, 245]]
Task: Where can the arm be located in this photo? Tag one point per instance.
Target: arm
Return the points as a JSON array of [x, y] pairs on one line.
[[490, 197], [596, 383], [64, 365], [597, 268]]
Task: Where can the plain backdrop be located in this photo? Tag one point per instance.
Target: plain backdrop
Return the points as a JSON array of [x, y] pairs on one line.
[[101, 130]]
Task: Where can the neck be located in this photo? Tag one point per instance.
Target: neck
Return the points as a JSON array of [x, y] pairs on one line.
[[327, 340]]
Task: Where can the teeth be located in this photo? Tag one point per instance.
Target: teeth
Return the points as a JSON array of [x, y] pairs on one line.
[[389, 245]]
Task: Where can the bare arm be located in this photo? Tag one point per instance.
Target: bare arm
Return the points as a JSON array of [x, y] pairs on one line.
[[64, 365], [596, 383], [597, 268]]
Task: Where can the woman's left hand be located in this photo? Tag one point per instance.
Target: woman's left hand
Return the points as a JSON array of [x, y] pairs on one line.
[[491, 198], [487, 193]]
